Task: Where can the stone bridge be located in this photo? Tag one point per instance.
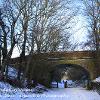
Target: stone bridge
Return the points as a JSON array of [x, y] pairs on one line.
[[85, 59]]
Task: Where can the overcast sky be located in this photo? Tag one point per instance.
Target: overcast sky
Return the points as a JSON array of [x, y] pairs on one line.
[[80, 31]]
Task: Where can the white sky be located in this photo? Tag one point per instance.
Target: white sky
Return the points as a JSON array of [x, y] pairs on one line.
[[15, 52]]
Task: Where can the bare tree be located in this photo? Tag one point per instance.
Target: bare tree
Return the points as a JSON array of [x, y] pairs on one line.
[[5, 53], [50, 21], [24, 19], [8, 32], [93, 15], [0, 41], [34, 26]]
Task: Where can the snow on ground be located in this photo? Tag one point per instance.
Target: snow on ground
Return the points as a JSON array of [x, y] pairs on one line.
[[97, 79], [12, 72], [4, 85], [7, 92]]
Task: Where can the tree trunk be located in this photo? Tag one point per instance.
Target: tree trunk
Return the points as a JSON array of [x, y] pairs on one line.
[[0, 57], [22, 55], [6, 60]]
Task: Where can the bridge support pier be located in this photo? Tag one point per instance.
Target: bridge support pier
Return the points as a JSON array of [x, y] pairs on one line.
[[65, 84]]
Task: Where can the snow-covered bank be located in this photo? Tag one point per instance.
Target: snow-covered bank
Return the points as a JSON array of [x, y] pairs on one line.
[[7, 92], [97, 79], [10, 93]]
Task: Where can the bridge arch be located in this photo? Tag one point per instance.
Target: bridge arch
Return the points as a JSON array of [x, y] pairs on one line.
[[70, 72]]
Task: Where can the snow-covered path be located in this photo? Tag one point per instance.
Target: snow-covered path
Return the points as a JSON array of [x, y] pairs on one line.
[[7, 92], [58, 94], [71, 94]]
